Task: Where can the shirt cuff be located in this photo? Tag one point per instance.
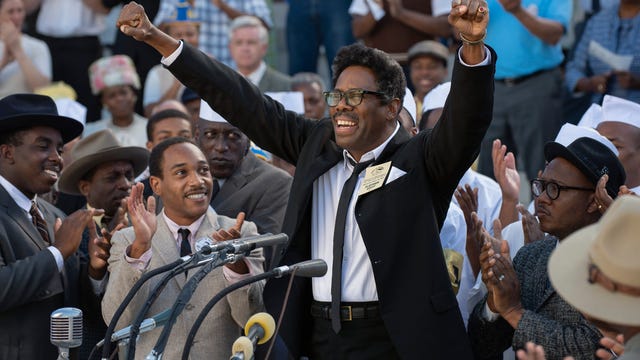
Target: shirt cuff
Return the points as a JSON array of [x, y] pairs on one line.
[[99, 286], [489, 315], [486, 61], [167, 61], [233, 277], [139, 264], [58, 256]]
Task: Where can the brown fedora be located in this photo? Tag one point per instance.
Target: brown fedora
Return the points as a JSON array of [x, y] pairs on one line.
[[95, 149], [21, 111], [609, 250]]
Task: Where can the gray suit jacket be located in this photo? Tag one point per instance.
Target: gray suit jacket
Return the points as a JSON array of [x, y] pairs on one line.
[[224, 322], [31, 287], [260, 190], [273, 80], [548, 320]]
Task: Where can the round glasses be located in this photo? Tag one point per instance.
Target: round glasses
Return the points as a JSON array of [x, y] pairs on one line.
[[353, 97], [552, 188]]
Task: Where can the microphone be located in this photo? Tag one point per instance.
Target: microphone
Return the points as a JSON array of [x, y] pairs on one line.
[[309, 268], [147, 324], [66, 330], [243, 245], [259, 329]]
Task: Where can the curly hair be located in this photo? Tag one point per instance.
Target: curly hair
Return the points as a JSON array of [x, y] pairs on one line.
[[389, 75]]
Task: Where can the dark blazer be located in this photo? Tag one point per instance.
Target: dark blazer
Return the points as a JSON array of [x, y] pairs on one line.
[[31, 286], [273, 80], [399, 222], [260, 190], [548, 320]]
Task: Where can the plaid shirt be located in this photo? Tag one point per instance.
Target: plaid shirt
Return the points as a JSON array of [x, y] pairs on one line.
[[214, 23]]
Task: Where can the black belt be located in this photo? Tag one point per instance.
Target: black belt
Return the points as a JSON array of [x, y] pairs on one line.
[[517, 80], [348, 311]]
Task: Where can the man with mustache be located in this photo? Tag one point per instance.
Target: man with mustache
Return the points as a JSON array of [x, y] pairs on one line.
[[39, 267], [521, 305], [180, 177], [242, 182], [389, 267]]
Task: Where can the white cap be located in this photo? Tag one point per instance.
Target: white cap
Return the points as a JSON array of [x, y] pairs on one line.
[[620, 110], [409, 103], [207, 113], [570, 133], [73, 109], [291, 100], [592, 117], [436, 98]]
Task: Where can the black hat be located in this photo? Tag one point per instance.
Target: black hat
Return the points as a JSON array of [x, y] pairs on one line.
[[592, 158], [20, 111], [189, 95]]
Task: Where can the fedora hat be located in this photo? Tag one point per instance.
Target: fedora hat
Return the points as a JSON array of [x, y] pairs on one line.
[[20, 111], [611, 246], [95, 149], [593, 158]]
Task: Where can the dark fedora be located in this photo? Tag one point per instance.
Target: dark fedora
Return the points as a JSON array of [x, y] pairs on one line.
[[592, 158], [21, 111]]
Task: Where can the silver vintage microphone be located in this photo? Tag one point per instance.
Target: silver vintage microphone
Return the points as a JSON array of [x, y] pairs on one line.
[[66, 330]]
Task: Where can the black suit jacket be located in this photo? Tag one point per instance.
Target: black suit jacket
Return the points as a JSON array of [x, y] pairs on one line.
[[31, 287], [399, 222]]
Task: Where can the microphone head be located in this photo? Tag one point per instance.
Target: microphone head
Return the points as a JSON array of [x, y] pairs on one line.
[[243, 345], [66, 328], [310, 268], [265, 321]]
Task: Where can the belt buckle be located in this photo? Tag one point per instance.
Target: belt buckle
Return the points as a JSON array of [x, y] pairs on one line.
[[348, 308]]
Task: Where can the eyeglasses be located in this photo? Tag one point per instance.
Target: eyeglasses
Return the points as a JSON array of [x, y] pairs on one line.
[[353, 97], [551, 188]]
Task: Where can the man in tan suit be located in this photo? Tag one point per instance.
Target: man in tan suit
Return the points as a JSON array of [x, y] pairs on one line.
[[180, 176]]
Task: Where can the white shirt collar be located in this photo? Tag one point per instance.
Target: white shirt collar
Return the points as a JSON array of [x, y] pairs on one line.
[[173, 227], [257, 75], [18, 196], [371, 155]]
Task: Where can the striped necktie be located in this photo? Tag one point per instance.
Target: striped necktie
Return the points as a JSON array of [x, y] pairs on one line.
[[39, 222]]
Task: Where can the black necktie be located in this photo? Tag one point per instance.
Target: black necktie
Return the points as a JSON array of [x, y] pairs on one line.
[[39, 222], [338, 243], [215, 190], [185, 247]]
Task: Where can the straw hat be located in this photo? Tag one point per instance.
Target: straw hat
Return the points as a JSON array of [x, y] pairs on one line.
[[612, 246]]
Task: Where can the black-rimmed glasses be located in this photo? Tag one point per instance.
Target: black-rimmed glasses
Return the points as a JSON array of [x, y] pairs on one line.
[[552, 188], [353, 97]]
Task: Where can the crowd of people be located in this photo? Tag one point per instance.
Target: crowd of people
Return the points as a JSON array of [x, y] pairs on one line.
[[405, 174]]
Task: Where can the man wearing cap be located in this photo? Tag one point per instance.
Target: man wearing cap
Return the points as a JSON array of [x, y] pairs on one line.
[[521, 304], [39, 268], [115, 82], [596, 270], [102, 172], [180, 177], [621, 124], [427, 68], [242, 182], [393, 266]]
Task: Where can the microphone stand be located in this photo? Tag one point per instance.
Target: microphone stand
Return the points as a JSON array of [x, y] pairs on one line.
[[224, 292], [220, 258], [134, 289]]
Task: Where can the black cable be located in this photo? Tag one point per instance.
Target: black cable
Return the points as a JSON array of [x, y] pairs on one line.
[[184, 296], [134, 289], [205, 311]]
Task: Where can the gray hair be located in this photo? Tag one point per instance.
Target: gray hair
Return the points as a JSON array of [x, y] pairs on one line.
[[304, 78], [247, 21]]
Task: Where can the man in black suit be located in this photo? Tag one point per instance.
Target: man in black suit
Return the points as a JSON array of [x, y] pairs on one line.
[[396, 296], [39, 268]]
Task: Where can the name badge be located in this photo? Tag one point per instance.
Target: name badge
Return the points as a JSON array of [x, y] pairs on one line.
[[374, 177]]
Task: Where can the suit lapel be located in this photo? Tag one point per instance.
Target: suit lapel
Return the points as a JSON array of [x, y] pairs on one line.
[[166, 248], [235, 182], [18, 215], [547, 289]]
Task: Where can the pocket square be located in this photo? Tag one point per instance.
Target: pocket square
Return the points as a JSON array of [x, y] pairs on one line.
[[395, 174]]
